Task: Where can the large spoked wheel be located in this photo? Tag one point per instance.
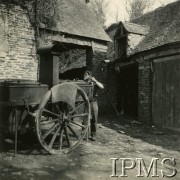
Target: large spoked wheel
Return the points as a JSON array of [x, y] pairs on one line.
[[60, 127]]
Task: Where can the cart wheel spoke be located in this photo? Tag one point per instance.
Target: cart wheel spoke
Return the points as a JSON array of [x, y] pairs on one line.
[[54, 137], [77, 124], [79, 115], [52, 113], [61, 137], [49, 122], [49, 131], [78, 107], [59, 111], [67, 136], [72, 130]]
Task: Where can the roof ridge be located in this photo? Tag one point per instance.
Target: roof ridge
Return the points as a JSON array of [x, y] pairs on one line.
[[135, 24]]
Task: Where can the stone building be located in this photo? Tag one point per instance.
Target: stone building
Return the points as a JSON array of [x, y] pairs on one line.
[[27, 26], [18, 58], [146, 66]]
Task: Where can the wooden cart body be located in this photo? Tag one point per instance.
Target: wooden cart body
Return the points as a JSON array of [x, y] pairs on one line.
[[18, 97]]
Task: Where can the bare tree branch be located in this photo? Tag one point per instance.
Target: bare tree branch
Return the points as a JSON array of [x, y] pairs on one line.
[[100, 9], [136, 8]]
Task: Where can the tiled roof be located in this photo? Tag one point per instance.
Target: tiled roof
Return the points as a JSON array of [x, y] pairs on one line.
[[136, 28]]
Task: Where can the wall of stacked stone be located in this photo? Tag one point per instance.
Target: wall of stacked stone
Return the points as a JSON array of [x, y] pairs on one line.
[[18, 60], [97, 71], [145, 93], [112, 86], [100, 72]]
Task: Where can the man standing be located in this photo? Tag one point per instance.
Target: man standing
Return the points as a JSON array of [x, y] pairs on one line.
[[94, 105]]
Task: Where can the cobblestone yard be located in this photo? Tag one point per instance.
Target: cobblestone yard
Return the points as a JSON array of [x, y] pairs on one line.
[[118, 137]]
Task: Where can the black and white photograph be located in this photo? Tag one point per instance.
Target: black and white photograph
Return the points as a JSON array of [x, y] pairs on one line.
[[89, 89]]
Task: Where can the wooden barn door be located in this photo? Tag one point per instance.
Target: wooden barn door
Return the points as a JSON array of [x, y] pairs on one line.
[[166, 92]]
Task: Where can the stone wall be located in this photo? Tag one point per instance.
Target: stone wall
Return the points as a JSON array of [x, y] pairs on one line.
[[105, 74], [145, 92], [18, 59], [99, 72], [112, 87]]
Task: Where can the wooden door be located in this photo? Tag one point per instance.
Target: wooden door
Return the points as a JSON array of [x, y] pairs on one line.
[[166, 92]]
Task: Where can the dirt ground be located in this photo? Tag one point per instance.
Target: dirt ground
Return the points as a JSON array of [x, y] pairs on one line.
[[118, 137]]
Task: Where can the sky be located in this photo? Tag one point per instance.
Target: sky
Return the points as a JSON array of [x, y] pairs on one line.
[[117, 11]]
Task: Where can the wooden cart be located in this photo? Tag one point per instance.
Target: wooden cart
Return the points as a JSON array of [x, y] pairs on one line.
[[60, 115]]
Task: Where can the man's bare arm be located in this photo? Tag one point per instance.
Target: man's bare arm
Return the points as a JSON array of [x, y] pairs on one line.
[[100, 85]]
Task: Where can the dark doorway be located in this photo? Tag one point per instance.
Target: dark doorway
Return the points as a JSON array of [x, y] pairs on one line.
[[73, 74], [72, 64], [127, 102]]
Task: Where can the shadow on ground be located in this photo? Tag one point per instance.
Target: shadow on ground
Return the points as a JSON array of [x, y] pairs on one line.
[[148, 133]]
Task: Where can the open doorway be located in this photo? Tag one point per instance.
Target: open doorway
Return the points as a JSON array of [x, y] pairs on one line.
[[72, 64], [127, 101], [73, 74]]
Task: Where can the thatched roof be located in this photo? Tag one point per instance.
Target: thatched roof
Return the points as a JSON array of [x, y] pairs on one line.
[[164, 26], [77, 18]]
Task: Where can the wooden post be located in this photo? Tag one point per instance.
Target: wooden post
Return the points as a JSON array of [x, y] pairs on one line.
[[49, 69]]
